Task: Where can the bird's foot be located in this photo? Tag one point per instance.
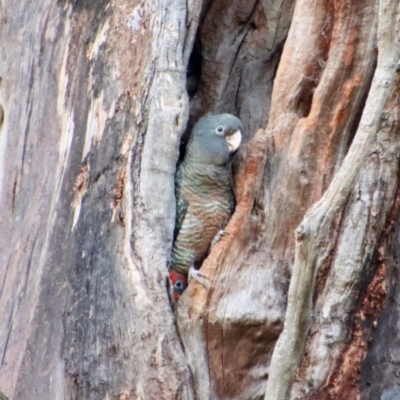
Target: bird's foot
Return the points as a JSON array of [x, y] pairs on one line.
[[218, 237], [198, 276]]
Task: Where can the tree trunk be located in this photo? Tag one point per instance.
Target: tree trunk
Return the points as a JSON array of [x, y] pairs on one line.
[[338, 239], [93, 106], [94, 103]]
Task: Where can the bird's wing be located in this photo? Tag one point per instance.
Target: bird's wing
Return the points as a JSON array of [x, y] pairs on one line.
[[181, 204]]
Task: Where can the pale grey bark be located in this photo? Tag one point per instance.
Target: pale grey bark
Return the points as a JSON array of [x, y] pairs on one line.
[[95, 103]]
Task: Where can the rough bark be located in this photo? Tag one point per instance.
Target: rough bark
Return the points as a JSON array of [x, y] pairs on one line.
[[356, 205], [92, 109], [315, 108], [380, 319], [241, 43], [94, 105]]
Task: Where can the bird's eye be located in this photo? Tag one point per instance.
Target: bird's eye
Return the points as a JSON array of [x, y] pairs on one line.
[[220, 129], [178, 285]]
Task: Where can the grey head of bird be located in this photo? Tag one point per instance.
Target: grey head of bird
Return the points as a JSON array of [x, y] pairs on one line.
[[215, 138]]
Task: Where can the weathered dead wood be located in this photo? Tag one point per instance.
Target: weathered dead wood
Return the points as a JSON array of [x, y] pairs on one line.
[[246, 306], [241, 43], [94, 106], [316, 232], [378, 339], [240, 58]]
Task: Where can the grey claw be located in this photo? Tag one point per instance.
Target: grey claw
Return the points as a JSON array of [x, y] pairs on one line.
[[218, 237], [198, 276]]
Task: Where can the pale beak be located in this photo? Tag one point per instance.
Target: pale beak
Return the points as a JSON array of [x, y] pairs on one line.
[[234, 141]]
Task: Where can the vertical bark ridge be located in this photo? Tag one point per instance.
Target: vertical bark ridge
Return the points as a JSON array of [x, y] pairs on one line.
[[352, 256], [93, 117]]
